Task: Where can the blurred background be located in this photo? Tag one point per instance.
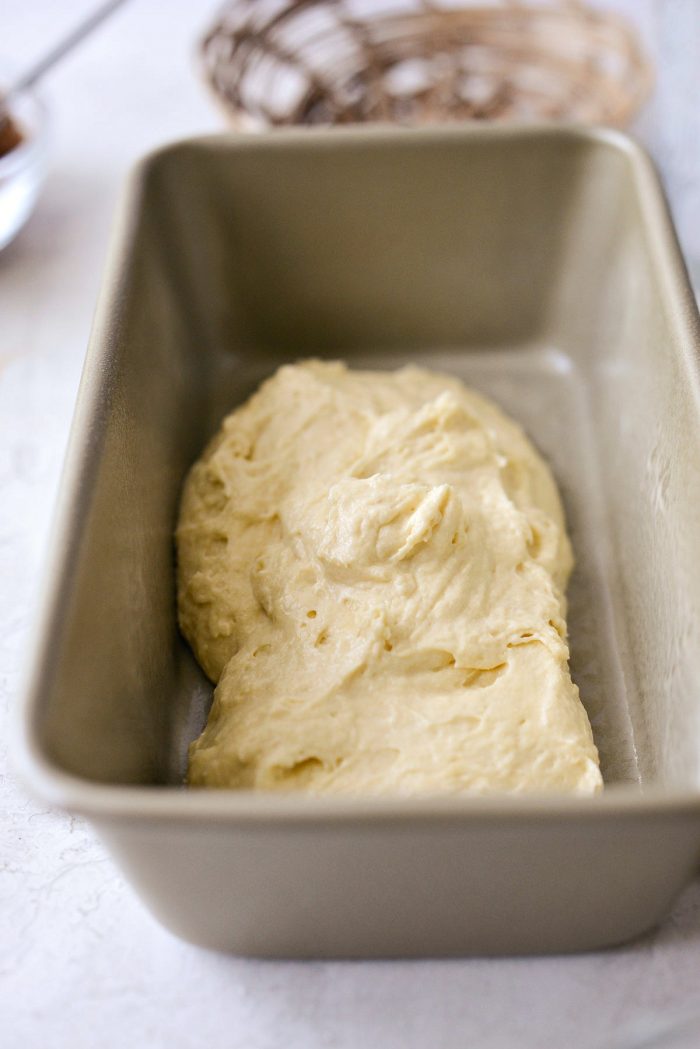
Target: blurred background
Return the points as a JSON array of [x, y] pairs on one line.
[[73, 942]]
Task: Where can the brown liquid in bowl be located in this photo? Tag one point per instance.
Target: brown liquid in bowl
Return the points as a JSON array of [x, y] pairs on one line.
[[10, 136]]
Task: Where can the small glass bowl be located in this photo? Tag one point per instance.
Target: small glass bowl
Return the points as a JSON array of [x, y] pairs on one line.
[[23, 169]]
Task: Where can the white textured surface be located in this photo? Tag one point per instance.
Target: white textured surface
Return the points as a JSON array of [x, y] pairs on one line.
[[81, 963]]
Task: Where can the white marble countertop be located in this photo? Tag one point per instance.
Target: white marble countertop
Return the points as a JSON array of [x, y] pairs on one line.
[[81, 962]]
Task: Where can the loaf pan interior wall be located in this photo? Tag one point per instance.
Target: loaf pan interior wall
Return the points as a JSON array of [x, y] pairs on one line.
[[242, 256]]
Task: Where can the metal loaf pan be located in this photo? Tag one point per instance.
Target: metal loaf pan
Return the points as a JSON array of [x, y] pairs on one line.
[[539, 265]]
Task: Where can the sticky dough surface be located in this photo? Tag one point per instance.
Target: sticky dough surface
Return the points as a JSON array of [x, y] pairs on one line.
[[372, 569]]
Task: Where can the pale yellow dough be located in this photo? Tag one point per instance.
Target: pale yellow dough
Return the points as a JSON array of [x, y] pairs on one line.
[[372, 567]]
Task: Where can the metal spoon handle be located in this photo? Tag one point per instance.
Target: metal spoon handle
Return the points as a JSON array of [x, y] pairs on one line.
[[52, 57]]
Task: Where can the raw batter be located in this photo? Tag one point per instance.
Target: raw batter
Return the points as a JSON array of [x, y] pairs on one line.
[[372, 567]]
